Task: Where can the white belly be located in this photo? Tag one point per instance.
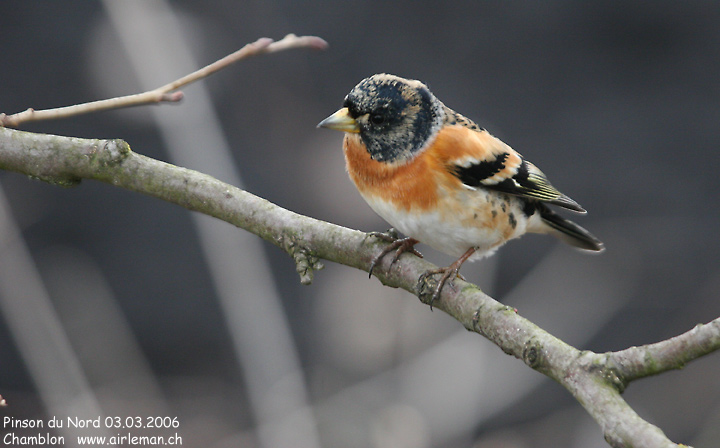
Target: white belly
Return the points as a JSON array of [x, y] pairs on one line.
[[457, 229]]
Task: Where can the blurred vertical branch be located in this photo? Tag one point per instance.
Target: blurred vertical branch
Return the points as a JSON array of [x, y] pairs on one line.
[[155, 44], [37, 331]]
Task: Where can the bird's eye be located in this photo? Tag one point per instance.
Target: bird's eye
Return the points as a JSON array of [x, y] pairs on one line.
[[377, 119]]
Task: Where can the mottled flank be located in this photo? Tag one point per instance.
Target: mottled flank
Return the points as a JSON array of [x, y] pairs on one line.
[[512, 220], [528, 208]]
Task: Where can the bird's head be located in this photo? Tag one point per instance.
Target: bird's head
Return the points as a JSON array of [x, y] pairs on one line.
[[396, 118]]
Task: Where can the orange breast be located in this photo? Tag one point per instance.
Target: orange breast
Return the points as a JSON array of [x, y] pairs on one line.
[[421, 182], [423, 198], [412, 185]]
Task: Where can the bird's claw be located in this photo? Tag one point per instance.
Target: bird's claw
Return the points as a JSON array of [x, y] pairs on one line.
[[391, 235], [397, 244], [449, 273]]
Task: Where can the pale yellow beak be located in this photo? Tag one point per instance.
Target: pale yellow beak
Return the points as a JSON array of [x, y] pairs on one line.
[[341, 121]]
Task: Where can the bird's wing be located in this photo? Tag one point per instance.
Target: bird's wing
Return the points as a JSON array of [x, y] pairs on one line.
[[481, 160]]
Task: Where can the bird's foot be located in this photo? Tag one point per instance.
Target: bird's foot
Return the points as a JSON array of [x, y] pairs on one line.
[[397, 244], [449, 273], [390, 235]]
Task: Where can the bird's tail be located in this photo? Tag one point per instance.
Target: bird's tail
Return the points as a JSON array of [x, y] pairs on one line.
[[568, 231]]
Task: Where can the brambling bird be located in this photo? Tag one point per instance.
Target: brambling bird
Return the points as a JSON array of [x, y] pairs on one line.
[[442, 180]]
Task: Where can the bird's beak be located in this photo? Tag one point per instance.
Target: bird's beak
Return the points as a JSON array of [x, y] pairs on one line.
[[341, 121]]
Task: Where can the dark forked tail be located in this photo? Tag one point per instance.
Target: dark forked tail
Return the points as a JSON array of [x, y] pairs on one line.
[[568, 231]]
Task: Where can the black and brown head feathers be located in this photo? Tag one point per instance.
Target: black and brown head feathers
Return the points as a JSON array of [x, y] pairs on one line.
[[396, 117]]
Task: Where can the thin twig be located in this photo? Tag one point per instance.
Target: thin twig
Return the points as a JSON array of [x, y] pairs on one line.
[[169, 92], [652, 359]]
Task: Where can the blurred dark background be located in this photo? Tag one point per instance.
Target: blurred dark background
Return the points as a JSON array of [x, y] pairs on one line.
[[617, 102]]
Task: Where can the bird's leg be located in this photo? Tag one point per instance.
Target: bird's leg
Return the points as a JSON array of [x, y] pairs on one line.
[[397, 244], [448, 273]]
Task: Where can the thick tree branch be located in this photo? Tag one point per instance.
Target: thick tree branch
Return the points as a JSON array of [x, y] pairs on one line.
[[596, 380]]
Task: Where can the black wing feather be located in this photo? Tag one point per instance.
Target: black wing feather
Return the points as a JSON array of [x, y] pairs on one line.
[[528, 182]]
